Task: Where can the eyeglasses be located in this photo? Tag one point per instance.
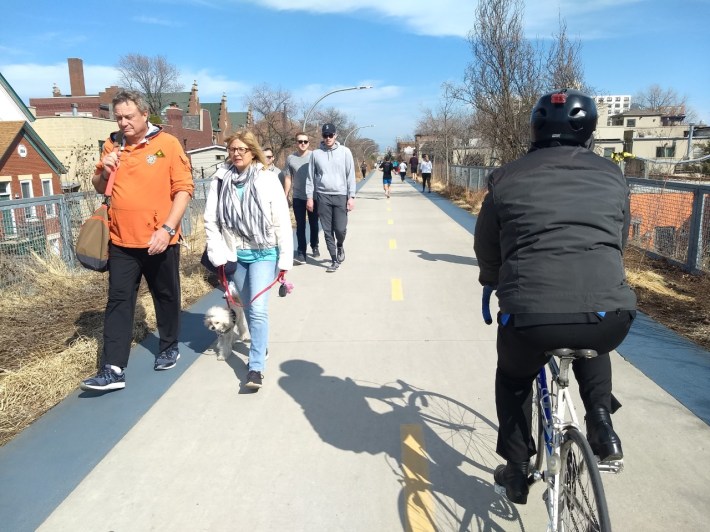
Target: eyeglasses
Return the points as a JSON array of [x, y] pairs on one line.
[[328, 135], [302, 141], [240, 150]]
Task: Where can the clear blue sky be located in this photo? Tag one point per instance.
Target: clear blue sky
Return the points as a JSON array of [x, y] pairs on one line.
[[404, 48]]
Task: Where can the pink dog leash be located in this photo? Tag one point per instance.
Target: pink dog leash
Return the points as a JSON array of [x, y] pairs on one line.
[[280, 278]]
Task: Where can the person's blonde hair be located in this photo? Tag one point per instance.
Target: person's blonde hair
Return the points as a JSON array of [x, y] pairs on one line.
[[248, 138]]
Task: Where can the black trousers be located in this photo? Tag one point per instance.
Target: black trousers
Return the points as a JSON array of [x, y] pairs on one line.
[[521, 354], [333, 216], [300, 212], [162, 273], [426, 181]]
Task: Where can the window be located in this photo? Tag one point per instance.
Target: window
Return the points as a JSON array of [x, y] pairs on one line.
[[608, 152], [665, 151], [220, 157], [50, 208], [631, 122], [26, 188], [9, 227], [617, 99], [608, 98]]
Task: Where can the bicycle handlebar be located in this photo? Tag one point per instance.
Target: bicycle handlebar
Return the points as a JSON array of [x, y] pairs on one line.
[[486, 303]]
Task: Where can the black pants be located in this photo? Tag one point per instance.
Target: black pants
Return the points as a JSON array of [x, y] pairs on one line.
[[333, 216], [162, 273], [426, 181], [300, 212], [521, 354]]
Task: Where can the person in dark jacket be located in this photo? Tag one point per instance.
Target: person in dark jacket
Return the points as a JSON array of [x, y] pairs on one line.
[[550, 238]]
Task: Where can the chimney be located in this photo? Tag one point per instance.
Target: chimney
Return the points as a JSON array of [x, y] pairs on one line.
[[76, 76]]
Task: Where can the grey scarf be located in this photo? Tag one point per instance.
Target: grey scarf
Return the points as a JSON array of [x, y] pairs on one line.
[[246, 217]]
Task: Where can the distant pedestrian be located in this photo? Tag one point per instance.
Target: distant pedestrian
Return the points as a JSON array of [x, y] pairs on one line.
[[402, 170], [387, 168], [285, 183], [152, 188], [331, 185], [413, 165], [247, 220], [296, 172], [425, 169], [363, 169]]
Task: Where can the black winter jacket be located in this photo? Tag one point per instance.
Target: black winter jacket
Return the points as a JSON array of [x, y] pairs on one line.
[[551, 232]]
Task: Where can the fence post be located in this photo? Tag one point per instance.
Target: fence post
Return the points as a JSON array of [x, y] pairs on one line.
[[695, 236], [67, 239]]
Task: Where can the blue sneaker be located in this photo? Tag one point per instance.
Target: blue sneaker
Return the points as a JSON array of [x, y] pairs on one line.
[[106, 379], [167, 359]]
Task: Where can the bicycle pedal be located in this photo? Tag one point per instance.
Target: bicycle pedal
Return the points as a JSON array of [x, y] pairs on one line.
[[500, 490], [613, 466]]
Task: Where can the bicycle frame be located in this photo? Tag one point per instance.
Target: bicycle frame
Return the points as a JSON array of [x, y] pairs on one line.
[[557, 412]]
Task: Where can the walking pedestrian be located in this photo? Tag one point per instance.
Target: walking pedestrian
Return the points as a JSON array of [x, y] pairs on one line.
[[152, 188], [285, 183], [363, 169], [413, 165], [425, 169], [402, 170], [387, 168], [247, 220], [296, 172], [331, 185]]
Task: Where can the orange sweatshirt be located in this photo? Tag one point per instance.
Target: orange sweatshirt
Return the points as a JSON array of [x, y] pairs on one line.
[[148, 177]]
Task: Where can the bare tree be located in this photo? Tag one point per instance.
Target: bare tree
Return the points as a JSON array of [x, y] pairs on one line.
[[504, 80], [152, 76], [564, 66], [667, 101], [273, 124]]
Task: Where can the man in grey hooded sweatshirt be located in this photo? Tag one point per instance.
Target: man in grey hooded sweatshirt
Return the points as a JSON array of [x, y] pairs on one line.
[[331, 183]]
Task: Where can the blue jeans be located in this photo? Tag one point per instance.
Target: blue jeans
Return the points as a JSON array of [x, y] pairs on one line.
[[250, 279]]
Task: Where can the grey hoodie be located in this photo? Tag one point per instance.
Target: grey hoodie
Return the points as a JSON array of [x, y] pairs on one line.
[[331, 171]]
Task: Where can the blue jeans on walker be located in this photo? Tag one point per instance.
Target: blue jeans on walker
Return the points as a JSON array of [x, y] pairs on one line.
[[250, 279]]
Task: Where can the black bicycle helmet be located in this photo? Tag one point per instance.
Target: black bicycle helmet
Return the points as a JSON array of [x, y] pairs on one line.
[[565, 116]]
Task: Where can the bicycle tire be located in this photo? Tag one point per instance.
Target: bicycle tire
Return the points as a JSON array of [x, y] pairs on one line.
[[582, 503]]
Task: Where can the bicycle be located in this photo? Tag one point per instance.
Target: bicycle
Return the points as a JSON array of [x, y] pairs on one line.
[[574, 493]]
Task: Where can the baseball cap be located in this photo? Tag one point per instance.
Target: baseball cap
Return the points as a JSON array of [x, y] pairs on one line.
[[328, 128]]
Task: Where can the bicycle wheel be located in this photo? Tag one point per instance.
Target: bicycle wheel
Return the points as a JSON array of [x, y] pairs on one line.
[[582, 504]]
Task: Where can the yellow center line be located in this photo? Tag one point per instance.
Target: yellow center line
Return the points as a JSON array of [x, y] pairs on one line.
[[397, 294], [390, 222], [393, 243], [418, 500]]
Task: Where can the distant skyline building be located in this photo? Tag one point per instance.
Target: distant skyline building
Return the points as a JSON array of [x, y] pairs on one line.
[[612, 104]]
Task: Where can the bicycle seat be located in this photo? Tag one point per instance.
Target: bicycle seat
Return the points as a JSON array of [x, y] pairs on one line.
[[573, 353]]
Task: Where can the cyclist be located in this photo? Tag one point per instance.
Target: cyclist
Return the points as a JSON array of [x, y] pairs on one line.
[[549, 237]]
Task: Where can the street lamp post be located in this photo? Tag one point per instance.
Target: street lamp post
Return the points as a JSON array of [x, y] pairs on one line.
[[353, 131], [305, 120]]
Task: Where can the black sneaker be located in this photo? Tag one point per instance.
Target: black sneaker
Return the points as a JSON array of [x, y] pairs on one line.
[[254, 380], [341, 254], [315, 252], [333, 267], [167, 359], [300, 258], [104, 380]]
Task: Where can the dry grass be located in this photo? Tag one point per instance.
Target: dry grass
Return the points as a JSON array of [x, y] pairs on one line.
[[52, 332]]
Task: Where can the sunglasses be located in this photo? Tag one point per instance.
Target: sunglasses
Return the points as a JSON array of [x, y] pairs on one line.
[[269, 156], [328, 135], [302, 141]]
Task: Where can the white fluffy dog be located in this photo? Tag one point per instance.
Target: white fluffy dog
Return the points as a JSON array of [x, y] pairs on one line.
[[231, 326]]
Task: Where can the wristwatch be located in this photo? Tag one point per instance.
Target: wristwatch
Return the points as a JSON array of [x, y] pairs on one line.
[[169, 229]]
